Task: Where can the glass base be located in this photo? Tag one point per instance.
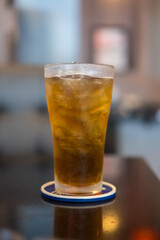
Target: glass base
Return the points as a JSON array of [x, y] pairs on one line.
[[71, 190]]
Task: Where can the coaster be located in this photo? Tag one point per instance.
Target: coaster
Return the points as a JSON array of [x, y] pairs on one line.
[[48, 191]]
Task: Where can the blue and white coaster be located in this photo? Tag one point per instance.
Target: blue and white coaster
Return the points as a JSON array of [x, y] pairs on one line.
[[108, 192]]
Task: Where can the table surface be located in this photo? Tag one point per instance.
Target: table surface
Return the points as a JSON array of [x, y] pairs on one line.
[[133, 215]]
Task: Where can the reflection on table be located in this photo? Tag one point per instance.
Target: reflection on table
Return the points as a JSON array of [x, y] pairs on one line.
[[133, 215]]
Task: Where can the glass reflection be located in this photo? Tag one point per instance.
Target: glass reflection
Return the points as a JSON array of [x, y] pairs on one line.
[[78, 223]]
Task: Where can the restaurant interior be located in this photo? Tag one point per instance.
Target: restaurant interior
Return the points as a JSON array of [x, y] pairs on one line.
[[124, 33]]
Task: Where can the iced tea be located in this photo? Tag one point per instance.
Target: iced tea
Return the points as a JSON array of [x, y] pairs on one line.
[[79, 107]]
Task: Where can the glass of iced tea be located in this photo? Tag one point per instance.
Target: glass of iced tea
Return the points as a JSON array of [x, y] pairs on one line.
[[79, 99]]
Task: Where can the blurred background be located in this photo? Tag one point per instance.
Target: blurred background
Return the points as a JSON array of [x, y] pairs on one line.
[[124, 33]]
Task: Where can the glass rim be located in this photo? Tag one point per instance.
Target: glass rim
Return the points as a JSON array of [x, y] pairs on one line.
[[81, 64]]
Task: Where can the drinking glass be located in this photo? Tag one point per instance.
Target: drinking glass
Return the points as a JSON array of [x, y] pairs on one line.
[[79, 99]]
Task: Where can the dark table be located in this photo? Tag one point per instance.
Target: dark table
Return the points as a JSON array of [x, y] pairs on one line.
[[133, 215]]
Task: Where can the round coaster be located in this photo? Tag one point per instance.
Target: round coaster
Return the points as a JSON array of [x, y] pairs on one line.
[[48, 191]]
